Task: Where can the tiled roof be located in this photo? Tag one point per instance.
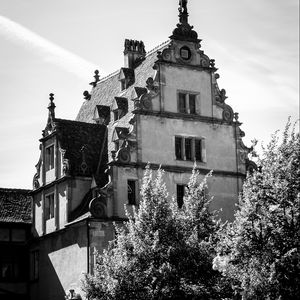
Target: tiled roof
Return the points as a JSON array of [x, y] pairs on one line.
[[15, 206], [73, 136], [108, 88]]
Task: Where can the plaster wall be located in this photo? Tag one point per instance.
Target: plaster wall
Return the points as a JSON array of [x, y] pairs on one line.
[[78, 189], [158, 142], [177, 79], [62, 262], [101, 233], [124, 174]]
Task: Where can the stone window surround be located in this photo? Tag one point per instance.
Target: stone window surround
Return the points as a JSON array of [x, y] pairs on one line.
[[49, 157], [51, 214], [193, 154], [187, 102]]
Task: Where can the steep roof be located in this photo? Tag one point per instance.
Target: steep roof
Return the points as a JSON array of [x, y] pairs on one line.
[[109, 87], [84, 143], [15, 206]]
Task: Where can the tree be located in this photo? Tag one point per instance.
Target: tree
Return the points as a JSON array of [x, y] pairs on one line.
[[162, 252], [260, 251]]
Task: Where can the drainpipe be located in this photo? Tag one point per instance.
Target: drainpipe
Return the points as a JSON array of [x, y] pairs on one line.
[[88, 245], [236, 159]]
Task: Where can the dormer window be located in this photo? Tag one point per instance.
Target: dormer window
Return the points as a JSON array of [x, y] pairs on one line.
[[123, 84], [49, 158], [116, 115], [102, 114], [119, 108]]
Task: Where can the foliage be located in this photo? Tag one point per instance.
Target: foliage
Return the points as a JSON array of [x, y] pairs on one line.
[[260, 251], [162, 252]]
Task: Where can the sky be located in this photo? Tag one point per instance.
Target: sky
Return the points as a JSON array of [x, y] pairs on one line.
[[55, 46]]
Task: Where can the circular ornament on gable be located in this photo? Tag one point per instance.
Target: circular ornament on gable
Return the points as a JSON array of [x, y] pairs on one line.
[[146, 102], [228, 114], [123, 156], [97, 207], [166, 55], [204, 63], [185, 53]]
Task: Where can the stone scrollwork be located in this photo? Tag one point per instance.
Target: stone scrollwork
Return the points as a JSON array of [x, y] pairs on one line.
[[167, 55], [204, 62], [145, 102], [227, 114], [123, 156], [250, 166], [98, 206]]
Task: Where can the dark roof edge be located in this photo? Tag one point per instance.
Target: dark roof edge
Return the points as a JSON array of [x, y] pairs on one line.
[[14, 190]]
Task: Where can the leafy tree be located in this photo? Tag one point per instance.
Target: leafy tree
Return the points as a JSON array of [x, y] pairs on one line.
[[162, 252], [260, 251]]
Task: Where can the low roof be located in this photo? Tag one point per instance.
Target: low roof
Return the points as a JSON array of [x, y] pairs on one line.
[[15, 206]]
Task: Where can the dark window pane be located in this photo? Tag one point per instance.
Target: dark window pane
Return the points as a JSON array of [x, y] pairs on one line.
[[4, 234], [131, 190], [188, 149], [116, 115], [178, 148], [49, 207], [192, 104], [49, 158], [198, 150], [180, 194], [182, 103]]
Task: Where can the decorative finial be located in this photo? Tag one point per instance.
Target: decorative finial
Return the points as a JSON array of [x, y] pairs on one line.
[[86, 95], [236, 116], [183, 12], [97, 78], [51, 106]]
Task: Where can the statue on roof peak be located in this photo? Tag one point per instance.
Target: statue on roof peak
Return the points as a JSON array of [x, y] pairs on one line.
[[183, 12]]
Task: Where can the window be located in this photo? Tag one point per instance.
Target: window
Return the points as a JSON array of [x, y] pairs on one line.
[[13, 265], [49, 207], [116, 114], [187, 103], [49, 156], [190, 148], [131, 192], [180, 194], [34, 265], [185, 53]]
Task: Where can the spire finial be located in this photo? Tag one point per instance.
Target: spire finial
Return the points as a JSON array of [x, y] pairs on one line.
[[51, 106], [183, 12]]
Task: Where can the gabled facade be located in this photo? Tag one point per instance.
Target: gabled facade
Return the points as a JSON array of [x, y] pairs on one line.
[[164, 108]]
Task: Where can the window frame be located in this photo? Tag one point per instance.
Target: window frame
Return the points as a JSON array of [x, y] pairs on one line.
[[49, 157], [132, 200], [49, 213], [180, 194], [181, 154], [187, 107]]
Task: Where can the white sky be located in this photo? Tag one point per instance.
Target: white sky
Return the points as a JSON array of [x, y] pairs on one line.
[[54, 46]]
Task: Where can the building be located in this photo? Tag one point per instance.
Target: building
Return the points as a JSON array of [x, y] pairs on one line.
[[15, 227], [163, 107]]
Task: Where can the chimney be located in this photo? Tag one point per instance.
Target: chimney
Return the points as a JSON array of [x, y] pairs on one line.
[[134, 53]]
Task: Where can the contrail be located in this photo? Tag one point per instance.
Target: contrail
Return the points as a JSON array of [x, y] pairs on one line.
[[47, 50]]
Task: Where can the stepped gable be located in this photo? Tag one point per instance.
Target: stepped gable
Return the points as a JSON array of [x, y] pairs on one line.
[[82, 142], [15, 206]]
